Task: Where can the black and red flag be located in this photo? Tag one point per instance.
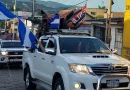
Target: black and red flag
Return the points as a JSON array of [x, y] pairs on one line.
[[79, 16]]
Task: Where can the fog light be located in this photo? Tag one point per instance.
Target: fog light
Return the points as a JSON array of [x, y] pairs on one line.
[[77, 85]]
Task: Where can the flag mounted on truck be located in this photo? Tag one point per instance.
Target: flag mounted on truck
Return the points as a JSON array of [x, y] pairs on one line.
[[78, 17]]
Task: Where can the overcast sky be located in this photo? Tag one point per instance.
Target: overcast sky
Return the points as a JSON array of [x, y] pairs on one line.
[[118, 6]]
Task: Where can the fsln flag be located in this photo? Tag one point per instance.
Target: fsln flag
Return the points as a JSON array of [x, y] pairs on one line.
[[79, 16], [26, 36], [5, 13], [55, 22]]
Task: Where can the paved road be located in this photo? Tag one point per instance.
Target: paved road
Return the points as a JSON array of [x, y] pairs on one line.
[[12, 79]]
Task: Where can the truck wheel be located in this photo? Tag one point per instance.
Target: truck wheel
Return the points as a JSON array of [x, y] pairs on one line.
[[59, 85], [28, 81]]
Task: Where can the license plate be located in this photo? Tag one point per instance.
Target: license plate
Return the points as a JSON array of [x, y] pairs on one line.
[[112, 83], [14, 60]]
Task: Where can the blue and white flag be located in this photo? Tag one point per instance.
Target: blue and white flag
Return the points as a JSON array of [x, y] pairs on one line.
[[26, 36], [5, 13], [55, 22]]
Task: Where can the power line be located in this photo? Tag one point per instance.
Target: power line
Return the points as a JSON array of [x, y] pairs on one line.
[[75, 5], [118, 5]]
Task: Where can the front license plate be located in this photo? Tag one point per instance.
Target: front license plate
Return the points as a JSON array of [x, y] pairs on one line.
[[112, 83]]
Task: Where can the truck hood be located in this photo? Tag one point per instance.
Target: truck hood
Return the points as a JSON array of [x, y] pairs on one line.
[[96, 59], [13, 49]]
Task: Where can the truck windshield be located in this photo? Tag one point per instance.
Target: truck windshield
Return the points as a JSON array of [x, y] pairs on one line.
[[11, 45], [82, 45]]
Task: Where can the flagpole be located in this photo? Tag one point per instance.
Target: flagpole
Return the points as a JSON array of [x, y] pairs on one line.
[[6, 20], [14, 18]]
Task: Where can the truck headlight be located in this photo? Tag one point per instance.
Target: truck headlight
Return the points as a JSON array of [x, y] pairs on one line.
[[81, 69], [4, 53]]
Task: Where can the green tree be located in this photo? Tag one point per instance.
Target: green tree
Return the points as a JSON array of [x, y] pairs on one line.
[[101, 7]]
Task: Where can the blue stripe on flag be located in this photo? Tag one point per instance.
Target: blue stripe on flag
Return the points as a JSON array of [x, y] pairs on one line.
[[22, 31], [32, 39], [55, 22], [27, 38], [54, 26], [6, 12]]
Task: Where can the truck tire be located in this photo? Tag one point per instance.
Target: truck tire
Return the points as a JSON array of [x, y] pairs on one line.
[[28, 81], [59, 85]]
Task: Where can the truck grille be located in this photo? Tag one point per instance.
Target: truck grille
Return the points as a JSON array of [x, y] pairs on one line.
[[15, 53], [110, 70]]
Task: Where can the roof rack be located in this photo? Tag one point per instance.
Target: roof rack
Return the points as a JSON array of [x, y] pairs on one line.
[[67, 32]]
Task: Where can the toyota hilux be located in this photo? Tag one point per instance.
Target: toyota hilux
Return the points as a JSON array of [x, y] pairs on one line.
[[73, 62]]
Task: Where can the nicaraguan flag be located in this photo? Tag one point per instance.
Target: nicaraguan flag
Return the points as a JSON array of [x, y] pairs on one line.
[[5, 13], [26, 36], [55, 22]]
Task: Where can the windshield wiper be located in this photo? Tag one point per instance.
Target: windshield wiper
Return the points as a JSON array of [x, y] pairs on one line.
[[99, 52], [95, 52]]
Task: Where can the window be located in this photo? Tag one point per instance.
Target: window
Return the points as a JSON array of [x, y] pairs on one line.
[[11, 45], [51, 44], [43, 42], [82, 45], [93, 13]]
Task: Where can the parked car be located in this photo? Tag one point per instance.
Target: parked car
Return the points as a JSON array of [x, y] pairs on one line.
[[73, 62], [11, 51]]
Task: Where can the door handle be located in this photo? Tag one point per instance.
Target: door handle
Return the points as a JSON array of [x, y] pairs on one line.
[[43, 59], [52, 61]]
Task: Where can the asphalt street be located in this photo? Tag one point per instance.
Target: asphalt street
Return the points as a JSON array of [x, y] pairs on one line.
[[12, 79]]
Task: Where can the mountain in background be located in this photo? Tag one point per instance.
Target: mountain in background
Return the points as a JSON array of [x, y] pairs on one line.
[[26, 5]]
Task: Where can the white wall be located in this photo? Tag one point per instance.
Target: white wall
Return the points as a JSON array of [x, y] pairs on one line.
[[112, 44], [113, 39]]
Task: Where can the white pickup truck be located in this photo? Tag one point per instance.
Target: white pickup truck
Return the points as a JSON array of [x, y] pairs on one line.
[[11, 52], [72, 62]]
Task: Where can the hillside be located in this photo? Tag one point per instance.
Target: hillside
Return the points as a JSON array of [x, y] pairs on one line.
[[26, 5]]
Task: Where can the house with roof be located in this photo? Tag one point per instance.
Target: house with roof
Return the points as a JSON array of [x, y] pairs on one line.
[[117, 24]]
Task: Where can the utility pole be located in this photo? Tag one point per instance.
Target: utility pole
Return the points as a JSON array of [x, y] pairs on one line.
[[108, 25], [14, 7], [6, 20], [33, 14]]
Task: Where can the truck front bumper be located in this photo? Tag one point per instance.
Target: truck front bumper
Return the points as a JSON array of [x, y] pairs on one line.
[[11, 59], [98, 86], [91, 82]]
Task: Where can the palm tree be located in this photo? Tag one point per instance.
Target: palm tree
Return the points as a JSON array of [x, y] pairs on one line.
[[101, 7]]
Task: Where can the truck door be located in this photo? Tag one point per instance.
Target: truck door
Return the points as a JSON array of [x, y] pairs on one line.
[[48, 63], [39, 59]]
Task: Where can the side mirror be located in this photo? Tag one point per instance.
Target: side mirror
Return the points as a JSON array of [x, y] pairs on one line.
[[50, 51], [114, 51]]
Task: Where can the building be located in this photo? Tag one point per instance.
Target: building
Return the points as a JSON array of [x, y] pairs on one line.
[[95, 12], [99, 31], [101, 13]]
